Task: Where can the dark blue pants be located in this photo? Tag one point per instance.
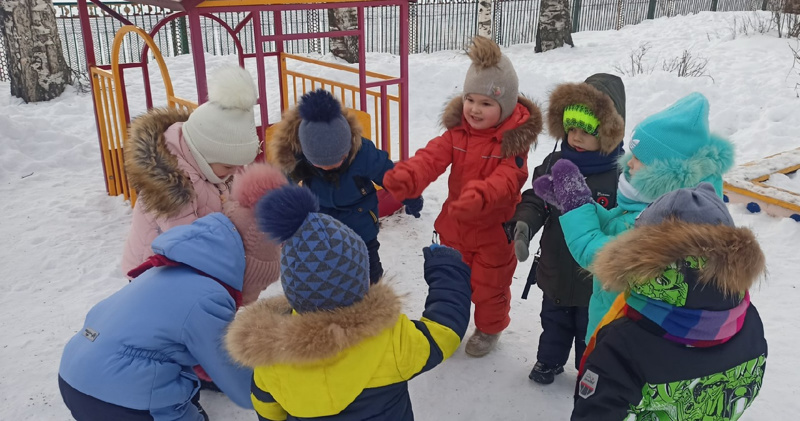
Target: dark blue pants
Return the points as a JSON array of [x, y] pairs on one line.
[[87, 408], [375, 267], [561, 327]]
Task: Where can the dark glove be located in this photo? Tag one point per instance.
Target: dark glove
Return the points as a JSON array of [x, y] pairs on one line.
[[543, 187], [413, 206], [519, 232], [438, 250], [569, 186]]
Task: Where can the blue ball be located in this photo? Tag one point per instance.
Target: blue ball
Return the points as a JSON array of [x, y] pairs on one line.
[[753, 207], [725, 198], [795, 217]]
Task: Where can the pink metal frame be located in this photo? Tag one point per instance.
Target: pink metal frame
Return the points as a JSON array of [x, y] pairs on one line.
[[193, 15]]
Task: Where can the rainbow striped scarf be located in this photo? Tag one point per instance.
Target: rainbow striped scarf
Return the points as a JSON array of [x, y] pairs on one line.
[[691, 327]]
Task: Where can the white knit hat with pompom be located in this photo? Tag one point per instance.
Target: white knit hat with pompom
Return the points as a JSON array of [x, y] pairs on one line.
[[223, 130]]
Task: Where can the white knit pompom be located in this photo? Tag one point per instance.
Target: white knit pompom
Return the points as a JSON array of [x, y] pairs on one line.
[[232, 87]]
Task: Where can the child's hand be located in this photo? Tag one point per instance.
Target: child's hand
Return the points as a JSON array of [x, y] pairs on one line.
[[543, 187], [570, 186], [468, 204], [437, 250], [519, 233], [413, 206], [399, 183]]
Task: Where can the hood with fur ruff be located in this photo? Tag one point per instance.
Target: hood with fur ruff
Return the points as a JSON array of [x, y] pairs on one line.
[[604, 94], [286, 151], [152, 170], [267, 333], [515, 141], [734, 260]]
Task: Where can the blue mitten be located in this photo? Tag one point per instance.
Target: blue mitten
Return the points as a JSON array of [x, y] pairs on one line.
[[569, 186], [413, 206], [437, 250], [543, 187]]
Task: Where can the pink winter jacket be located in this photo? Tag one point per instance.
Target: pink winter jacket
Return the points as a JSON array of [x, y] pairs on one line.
[[171, 188]]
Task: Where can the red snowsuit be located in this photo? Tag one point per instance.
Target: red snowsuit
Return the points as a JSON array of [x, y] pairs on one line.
[[489, 168]]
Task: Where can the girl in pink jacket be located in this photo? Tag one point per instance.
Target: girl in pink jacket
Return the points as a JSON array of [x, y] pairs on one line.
[[180, 163]]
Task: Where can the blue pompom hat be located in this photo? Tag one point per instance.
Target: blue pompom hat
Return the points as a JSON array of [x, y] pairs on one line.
[[678, 150], [324, 264], [324, 132]]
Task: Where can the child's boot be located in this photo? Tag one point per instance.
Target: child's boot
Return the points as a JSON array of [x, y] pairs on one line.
[[545, 373], [480, 344]]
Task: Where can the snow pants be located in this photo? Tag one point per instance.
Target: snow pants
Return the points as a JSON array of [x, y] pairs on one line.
[[561, 327], [492, 271]]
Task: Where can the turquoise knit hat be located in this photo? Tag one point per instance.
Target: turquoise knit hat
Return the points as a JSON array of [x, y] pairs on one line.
[[675, 133]]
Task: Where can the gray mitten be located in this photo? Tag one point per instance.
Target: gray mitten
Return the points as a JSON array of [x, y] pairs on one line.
[[522, 241]]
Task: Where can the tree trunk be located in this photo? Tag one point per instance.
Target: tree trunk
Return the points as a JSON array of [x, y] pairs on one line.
[[344, 19], [485, 18], [36, 65], [555, 26]]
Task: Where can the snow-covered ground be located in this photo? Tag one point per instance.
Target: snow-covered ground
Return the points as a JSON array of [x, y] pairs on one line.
[[62, 235]]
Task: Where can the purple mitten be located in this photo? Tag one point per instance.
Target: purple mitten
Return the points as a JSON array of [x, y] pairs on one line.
[[543, 187], [569, 186]]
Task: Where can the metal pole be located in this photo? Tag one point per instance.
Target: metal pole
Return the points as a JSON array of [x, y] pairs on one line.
[[404, 80], [88, 48], [362, 61], [198, 55]]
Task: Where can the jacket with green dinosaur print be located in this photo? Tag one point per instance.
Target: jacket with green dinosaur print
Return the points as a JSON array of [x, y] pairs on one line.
[[635, 372]]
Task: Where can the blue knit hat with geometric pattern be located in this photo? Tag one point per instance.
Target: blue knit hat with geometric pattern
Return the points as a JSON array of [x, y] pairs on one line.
[[324, 264]]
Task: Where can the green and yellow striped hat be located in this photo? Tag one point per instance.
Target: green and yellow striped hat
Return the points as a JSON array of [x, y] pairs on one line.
[[581, 117]]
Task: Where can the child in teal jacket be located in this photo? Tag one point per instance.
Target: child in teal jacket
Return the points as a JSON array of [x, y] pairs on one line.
[[671, 149]]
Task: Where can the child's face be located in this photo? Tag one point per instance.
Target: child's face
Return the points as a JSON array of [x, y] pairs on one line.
[[634, 165], [481, 112], [331, 167], [582, 141], [224, 171]]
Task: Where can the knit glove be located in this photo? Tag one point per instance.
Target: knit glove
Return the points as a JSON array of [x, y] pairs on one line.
[[468, 204], [440, 251], [519, 233], [543, 187], [399, 183], [413, 206], [569, 186]]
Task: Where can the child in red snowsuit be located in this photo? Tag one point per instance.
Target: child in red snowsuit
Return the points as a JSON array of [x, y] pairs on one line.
[[489, 132]]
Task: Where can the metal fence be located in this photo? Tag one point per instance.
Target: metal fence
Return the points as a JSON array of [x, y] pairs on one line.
[[434, 25]]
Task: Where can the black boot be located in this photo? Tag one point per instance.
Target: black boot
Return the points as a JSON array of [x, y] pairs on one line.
[[545, 373]]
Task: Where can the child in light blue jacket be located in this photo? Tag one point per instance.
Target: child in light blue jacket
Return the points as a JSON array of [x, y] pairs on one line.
[[133, 357], [669, 150]]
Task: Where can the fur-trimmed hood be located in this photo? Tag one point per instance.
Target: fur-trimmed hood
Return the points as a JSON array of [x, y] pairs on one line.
[[733, 258], [604, 94], [285, 149], [152, 170], [267, 333], [515, 141]]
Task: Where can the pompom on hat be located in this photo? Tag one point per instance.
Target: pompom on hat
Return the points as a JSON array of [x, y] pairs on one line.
[[262, 255], [324, 132], [492, 74], [223, 130], [324, 264]]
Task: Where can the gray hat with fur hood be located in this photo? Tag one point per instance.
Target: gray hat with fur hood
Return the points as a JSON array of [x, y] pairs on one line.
[[492, 74]]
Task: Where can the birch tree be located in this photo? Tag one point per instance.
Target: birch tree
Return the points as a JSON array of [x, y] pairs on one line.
[[344, 19], [36, 65], [485, 18], [555, 25]]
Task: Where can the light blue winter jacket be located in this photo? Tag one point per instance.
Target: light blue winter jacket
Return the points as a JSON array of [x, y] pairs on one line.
[[148, 335], [586, 230]]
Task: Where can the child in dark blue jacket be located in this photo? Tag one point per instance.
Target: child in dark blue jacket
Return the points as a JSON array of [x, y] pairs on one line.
[[319, 144]]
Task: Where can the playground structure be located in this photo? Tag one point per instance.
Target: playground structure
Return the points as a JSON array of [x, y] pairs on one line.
[[380, 101], [750, 184]]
